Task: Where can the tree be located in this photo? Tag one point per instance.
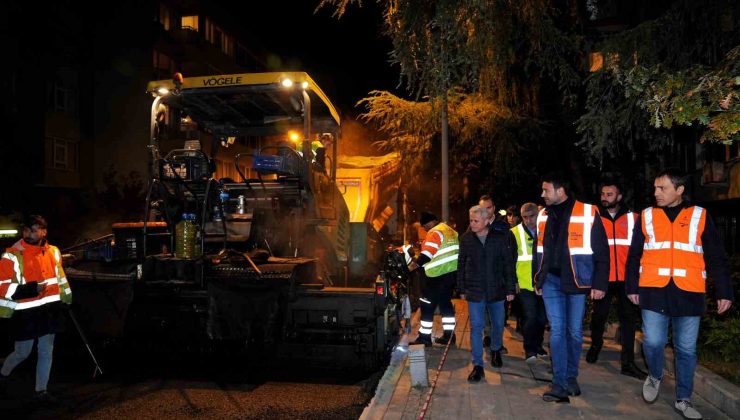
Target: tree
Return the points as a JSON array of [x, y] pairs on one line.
[[490, 59], [681, 69]]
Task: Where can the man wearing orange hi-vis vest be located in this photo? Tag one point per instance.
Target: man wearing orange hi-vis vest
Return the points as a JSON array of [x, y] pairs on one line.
[[33, 288], [571, 263], [619, 223], [675, 249]]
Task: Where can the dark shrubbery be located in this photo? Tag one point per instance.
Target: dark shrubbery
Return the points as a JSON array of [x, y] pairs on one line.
[[719, 335]]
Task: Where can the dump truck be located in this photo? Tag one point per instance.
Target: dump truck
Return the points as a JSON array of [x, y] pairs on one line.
[[249, 164]]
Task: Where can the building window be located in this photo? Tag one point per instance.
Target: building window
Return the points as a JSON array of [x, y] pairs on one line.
[[717, 161], [61, 97], [227, 45], [162, 61], [244, 58], [165, 16], [61, 154], [216, 36], [190, 23]]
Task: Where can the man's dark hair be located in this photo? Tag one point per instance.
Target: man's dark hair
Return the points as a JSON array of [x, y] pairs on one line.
[[611, 182], [33, 220], [486, 197], [678, 177], [512, 210], [558, 180]]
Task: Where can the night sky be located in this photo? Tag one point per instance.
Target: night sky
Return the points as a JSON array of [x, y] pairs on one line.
[[348, 57]]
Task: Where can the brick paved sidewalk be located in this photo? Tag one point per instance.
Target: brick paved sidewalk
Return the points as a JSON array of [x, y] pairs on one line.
[[511, 392]]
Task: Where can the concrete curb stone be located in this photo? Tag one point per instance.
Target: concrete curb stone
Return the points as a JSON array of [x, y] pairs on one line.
[[386, 386]]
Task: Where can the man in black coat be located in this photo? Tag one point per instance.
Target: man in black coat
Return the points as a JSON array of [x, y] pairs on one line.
[[571, 263], [485, 278]]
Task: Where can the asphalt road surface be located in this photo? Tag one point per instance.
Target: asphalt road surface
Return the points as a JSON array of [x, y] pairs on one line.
[[187, 386]]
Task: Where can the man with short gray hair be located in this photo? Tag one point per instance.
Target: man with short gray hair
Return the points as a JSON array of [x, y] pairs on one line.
[[485, 279]]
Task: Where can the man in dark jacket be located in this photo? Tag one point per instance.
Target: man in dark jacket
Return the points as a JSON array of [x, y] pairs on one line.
[[619, 222], [485, 278], [675, 249], [571, 262]]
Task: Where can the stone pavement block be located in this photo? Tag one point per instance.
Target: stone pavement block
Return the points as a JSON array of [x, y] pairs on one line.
[[512, 393]]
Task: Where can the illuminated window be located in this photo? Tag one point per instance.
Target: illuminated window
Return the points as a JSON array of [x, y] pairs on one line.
[[164, 16], [190, 23], [595, 62]]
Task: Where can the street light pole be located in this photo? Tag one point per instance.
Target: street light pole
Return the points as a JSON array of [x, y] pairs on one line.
[[445, 161], [307, 151]]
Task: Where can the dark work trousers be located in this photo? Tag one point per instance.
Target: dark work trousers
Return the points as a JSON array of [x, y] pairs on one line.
[[535, 318], [626, 314], [437, 291]]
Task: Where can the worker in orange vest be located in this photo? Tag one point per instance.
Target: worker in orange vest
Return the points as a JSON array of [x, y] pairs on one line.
[[33, 288], [571, 263], [619, 222], [675, 249]]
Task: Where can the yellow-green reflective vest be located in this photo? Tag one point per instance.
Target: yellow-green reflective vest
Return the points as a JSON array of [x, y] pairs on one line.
[[445, 259], [315, 145], [524, 246]]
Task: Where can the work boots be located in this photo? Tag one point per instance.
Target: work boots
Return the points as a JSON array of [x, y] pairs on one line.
[[476, 375], [444, 339], [3, 384], [425, 339], [630, 369], [557, 394], [496, 360], [44, 399], [593, 353]]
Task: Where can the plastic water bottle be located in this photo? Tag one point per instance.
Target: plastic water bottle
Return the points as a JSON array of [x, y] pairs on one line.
[[224, 198], [186, 233]]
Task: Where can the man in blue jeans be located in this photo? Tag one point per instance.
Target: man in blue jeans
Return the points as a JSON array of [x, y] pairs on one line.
[[675, 249], [571, 262], [33, 290], [485, 279]]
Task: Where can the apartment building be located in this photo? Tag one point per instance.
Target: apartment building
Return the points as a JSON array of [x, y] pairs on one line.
[[74, 84]]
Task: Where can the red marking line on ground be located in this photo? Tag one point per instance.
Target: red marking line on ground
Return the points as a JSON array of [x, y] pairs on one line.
[[424, 408]]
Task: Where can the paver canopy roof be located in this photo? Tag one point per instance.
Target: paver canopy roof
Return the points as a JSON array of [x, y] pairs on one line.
[[256, 104]]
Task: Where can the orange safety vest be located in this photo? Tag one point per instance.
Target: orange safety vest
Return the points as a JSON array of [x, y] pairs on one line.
[[24, 262], [673, 250], [579, 242], [619, 235]]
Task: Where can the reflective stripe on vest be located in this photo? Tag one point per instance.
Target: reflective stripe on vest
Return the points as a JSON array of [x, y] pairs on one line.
[[579, 241], [524, 246], [445, 259], [673, 250], [57, 288], [404, 249], [619, 235]]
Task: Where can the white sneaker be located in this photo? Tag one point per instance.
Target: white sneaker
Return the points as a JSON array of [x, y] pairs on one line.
[[687, 410], [650, 389]]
